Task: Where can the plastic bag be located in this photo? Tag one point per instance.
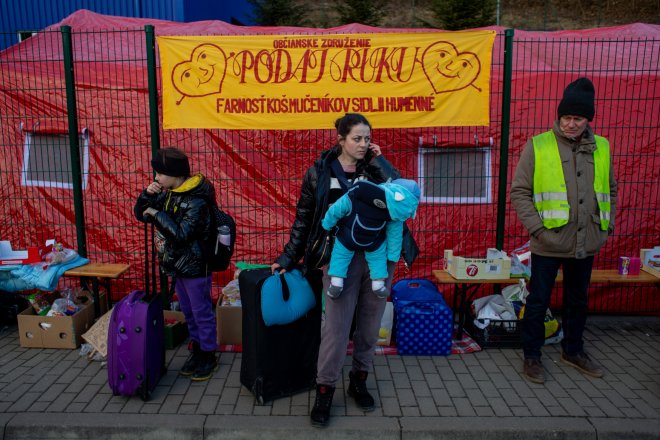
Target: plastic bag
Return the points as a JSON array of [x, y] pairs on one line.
[[515, 292], [58, 254], [553, 330], [492, 307], [521, 261], [231, 294], [386, 323], [62, 307]]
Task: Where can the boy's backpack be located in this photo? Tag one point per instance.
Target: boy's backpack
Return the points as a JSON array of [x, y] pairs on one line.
[[218, 255]]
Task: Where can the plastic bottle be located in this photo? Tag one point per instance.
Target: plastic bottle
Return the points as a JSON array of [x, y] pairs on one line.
[[224, 235]]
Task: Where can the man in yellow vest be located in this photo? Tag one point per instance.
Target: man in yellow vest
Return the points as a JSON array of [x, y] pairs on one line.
[[564, 193]]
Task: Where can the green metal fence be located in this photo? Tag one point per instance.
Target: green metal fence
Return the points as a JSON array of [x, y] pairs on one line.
[[104, 86]]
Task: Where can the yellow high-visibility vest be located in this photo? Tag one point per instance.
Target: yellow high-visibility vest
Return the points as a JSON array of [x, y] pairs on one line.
[[550, 199]]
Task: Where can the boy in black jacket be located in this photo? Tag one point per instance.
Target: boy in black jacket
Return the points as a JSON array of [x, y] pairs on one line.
[[176, 204]]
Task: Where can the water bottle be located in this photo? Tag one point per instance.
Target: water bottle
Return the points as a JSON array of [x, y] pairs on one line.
[[224, 236]]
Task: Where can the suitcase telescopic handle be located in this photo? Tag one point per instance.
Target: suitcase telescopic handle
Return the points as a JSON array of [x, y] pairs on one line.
[[150, 286]]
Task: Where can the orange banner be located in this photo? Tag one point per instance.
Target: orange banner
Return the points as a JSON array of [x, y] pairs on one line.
[[307, 81]]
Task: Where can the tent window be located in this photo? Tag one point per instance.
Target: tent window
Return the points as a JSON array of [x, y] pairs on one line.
[[24, 35], [47, 160], [455, 175]]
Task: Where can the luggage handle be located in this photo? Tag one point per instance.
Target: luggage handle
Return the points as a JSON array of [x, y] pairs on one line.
[[420, 283], [135, 296], [151, 290], [285, 287], [421, 309]]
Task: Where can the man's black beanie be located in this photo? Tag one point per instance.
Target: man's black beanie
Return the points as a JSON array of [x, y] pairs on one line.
[[578, 99]]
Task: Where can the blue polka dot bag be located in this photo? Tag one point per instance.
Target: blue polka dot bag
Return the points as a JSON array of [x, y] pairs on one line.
[[423, 319]]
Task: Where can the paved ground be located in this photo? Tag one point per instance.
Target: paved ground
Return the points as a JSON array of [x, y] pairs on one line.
[[55, 394]]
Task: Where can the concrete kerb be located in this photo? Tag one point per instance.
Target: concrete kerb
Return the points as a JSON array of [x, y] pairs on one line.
[[117, 426], [4, 419], [624, 429], [299, 428], [496, 428]]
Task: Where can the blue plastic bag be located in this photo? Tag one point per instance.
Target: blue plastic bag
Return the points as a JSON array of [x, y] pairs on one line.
[[285, 298]]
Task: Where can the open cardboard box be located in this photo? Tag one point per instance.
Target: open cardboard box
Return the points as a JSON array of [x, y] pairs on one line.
[[176, 330], [463, 268], [54, 331], [230, 323], [651, 260]]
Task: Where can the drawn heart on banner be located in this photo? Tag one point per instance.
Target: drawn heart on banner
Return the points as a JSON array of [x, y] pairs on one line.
[[449, 70], [202, 74]]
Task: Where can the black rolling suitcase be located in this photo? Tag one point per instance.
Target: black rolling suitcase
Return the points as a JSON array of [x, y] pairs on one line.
[[279, 360]]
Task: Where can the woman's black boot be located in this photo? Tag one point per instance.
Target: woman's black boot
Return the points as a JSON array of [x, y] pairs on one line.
[[321, 411], [357, 389]]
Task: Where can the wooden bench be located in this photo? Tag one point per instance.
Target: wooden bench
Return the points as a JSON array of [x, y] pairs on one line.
[[100, 274], [464, 290]]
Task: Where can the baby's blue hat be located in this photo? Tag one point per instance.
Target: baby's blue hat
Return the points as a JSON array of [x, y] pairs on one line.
[[410, 185]]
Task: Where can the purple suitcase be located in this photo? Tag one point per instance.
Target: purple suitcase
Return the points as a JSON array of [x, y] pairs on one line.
[[136, 341]]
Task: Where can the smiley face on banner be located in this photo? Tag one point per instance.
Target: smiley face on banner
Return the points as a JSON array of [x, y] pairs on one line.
[[202, 74], [449, 70]]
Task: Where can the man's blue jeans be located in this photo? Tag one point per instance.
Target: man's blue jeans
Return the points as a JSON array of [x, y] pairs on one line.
[[577, 274]]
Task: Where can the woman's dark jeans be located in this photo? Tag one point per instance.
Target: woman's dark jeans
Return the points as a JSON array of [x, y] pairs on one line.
[[577, 274]]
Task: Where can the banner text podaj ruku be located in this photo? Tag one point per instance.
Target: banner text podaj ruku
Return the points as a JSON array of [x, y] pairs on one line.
[[307, 81]]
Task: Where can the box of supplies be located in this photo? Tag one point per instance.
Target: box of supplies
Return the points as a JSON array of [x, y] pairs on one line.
[[466, 268], [229, 317], [651, 260], [37, 331], [176, 329]]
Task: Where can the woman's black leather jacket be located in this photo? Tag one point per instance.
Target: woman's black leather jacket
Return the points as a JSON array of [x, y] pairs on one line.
[[313, 203]]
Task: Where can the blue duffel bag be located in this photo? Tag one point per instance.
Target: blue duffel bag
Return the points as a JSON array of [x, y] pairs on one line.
[[423, 319], [286, 297]]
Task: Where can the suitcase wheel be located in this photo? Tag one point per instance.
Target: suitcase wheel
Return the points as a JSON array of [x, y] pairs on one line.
[[257, 390], [143, 391]]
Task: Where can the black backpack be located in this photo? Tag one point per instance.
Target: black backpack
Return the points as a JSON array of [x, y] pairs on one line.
[[218, 255]]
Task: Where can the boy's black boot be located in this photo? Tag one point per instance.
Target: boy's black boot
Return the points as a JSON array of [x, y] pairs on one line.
[[321, 412], [357, 389], [207, 365], [190, 365]]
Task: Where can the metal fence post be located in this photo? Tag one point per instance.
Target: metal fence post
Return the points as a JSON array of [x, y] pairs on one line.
[[504, 141], [153, 88], [154, 127], [72, 111]]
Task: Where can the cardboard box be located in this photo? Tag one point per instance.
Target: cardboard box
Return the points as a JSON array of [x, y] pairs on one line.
[[230, 324], [463, 268], [10, 256], [54, 331], [177, 332], [86, 297], [651, 260]]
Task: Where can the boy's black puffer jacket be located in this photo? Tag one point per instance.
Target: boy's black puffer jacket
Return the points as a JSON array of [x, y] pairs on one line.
[[183, 224]]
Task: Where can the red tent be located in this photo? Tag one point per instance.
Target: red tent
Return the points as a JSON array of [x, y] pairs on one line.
[[258, 172]]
